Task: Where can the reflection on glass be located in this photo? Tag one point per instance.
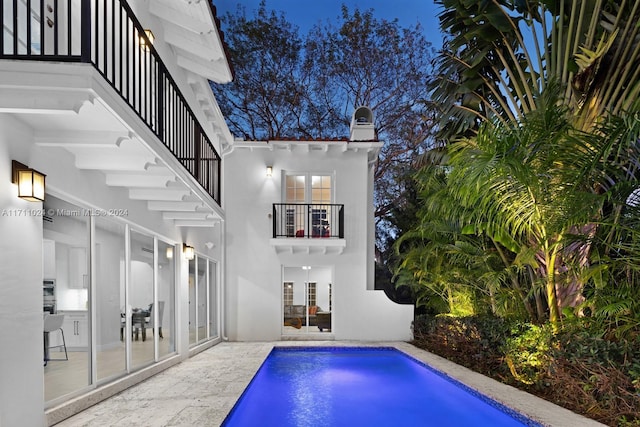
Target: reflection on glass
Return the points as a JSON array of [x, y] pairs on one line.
[[141, 299], [202, 298], [65, 296], [192, 302], [109, 300], [166, 300]]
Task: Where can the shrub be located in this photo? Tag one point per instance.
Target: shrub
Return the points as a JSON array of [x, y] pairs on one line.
[[577, 368], [528, 352]]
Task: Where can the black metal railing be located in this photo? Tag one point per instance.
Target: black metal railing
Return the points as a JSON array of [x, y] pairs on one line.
[[308, 220], [107, 34]]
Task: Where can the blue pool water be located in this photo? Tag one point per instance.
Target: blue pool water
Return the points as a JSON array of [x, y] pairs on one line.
[[327, 387]]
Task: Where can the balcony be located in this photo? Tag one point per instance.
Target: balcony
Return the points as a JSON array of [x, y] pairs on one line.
[[107, 35], [305, 227]]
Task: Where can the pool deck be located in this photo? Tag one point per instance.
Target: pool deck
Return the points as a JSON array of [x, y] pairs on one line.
[[202, 390]]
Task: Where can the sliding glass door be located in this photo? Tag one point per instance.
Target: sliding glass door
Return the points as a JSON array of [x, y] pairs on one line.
[[65, 301], [124, 282], [109, 285], [203, 300], [141, 298]]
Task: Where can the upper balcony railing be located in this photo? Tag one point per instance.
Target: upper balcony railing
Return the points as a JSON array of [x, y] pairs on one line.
[[308, 220], [107, 34]]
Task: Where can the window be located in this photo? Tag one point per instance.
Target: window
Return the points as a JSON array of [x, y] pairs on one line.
[[287, 293], [311, 295]]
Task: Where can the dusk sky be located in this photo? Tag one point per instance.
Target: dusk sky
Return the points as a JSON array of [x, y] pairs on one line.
[[305, 13]]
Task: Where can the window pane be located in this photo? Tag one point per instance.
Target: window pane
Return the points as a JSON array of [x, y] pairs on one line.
[[65, 296], [141, 299], [110, 298], [213, 300], [192, 302], [202, 299], [166, 299]]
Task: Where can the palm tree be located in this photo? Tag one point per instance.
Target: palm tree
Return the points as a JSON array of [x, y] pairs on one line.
[[502, 54], [500, 62]]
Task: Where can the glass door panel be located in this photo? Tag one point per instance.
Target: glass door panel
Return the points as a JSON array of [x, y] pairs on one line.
[[213, 300], [141, 299], [65, 298], [166, 300], [295, 193], [193, 337], [306, 300], [110, 298], [201, 298]]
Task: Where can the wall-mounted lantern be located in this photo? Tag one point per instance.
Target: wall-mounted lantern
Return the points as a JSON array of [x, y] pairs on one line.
[[188, 251], [30, 182], [269, 171], [169, 252], [143, 41]]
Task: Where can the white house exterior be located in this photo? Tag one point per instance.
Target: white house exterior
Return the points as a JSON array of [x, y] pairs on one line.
[[140, 170], [307, 230]]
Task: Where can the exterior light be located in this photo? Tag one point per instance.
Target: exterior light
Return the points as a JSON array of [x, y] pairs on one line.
[[143, 41], [269, 171], [30, 182], [169, 252], [188, 252]]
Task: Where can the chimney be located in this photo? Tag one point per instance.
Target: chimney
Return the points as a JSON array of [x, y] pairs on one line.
[[362, 125]]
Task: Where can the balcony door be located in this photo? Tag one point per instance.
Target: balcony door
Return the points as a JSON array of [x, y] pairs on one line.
[[301, 190]]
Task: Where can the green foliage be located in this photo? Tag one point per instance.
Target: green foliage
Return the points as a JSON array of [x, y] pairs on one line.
[[578, 367], [528, 352]]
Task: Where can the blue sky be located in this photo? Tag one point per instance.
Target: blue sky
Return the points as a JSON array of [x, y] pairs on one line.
[[305, 13]]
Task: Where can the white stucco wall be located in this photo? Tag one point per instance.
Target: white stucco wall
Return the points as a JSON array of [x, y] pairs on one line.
[[21, 264], [254, 267], [21, 354]]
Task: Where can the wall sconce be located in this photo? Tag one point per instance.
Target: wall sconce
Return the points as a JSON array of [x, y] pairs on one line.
[[30, 182], [188, 252], [269, 171], [150, 37], [169, 252]]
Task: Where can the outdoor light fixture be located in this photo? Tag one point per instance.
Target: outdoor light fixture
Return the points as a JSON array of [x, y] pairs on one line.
[[188, 252], [169, 252], [150, 37], [30, 182], [269, 171]]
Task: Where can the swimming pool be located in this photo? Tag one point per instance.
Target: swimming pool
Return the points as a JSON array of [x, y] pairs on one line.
[[357, 386]]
